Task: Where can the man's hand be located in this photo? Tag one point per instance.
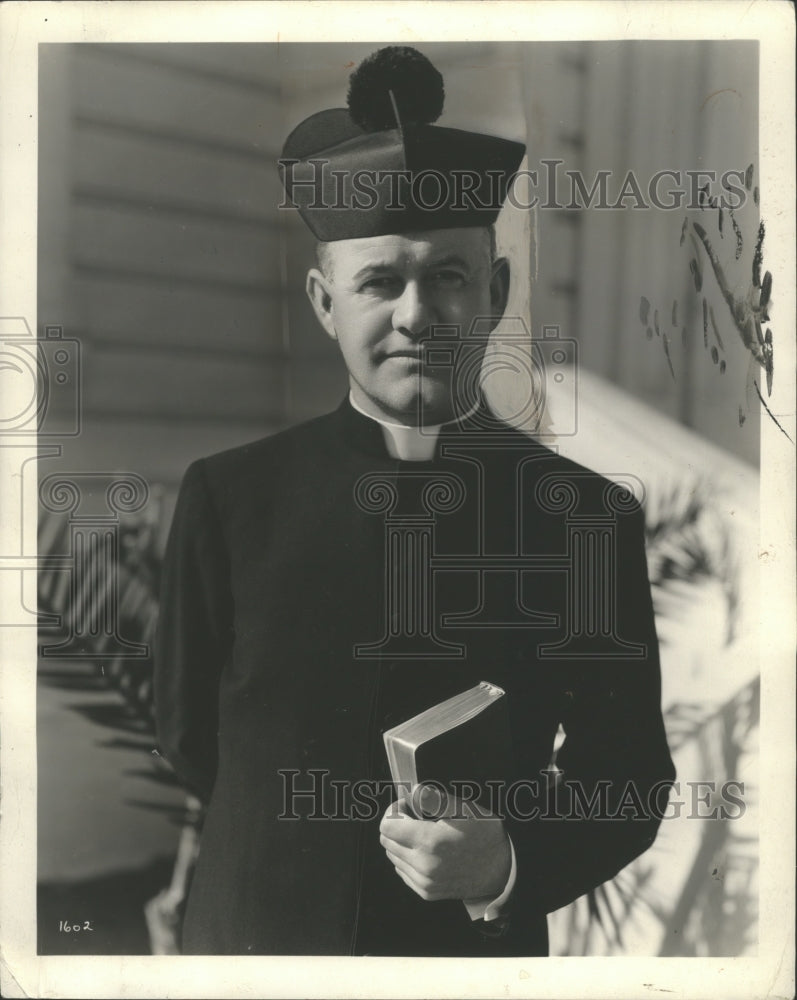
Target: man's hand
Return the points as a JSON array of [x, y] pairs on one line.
[[464, 855]]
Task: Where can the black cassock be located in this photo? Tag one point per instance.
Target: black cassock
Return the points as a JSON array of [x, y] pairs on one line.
[[290, 638]]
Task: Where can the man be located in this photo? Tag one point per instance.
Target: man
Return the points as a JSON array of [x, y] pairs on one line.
[[302, 613]]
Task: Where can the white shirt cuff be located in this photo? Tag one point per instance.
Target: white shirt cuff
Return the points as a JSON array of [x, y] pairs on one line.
[[486, 908]]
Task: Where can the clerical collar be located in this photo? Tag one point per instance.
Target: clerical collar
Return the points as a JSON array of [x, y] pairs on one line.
[[408, 444]]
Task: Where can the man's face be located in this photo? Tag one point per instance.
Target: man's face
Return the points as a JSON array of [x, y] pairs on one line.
[[379, 298]]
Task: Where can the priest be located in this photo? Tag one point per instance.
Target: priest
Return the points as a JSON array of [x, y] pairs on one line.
[[330, 581]]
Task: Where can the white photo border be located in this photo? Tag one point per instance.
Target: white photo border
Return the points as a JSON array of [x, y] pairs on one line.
[[771, 974]]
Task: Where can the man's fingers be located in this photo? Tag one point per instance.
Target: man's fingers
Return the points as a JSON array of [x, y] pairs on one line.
[[399, 850], [417, 887], [407, 881], [423, 864], [401, 865]]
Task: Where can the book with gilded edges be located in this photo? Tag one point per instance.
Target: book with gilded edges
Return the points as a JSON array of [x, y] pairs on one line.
[[460, 742]]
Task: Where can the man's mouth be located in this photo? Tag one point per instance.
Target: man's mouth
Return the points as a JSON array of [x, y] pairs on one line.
[[414, 355]]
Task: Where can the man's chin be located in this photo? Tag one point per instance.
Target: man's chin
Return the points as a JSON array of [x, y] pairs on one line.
[[423, 408], [413, 398]]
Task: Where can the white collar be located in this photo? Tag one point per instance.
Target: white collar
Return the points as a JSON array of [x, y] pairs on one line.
[[408, 444]]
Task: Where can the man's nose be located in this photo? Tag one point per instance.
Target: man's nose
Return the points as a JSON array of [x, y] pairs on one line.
[[414, 311]]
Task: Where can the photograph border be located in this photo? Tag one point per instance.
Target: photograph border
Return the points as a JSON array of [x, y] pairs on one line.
[[771, 974]]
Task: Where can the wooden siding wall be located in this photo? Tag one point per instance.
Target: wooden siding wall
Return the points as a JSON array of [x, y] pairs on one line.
[[170, 270], [646, 106]]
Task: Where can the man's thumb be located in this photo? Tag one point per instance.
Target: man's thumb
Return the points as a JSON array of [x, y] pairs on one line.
[[430, 800]]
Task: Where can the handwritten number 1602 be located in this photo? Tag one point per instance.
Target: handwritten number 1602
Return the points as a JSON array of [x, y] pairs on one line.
[[64, 925]]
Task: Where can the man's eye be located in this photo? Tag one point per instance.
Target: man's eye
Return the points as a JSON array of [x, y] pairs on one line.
[[381, 283], [449, 278]]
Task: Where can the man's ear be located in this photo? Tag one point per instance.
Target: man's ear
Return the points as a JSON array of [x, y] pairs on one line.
[[317, 288], [499, 290]]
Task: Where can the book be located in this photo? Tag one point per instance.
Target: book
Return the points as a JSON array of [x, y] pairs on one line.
[[458, 747]]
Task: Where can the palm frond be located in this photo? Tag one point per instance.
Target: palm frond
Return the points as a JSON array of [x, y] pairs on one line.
[[688, 540]]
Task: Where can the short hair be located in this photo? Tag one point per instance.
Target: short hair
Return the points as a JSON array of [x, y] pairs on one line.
[[323, 257]]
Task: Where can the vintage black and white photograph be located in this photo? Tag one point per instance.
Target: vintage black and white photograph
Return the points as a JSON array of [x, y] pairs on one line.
[[397, 465]]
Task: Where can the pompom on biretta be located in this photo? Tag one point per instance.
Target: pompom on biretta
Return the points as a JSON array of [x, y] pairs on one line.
[[416, 85]]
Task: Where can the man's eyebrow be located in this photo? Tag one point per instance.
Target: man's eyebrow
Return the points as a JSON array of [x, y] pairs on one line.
[[450, 260], [376, 268]]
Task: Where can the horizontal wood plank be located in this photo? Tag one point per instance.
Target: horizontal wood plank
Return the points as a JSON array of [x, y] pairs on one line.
[[110, 85], [236, 64], [112, 237], [149, 387], [202, 318], [119, 163]]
